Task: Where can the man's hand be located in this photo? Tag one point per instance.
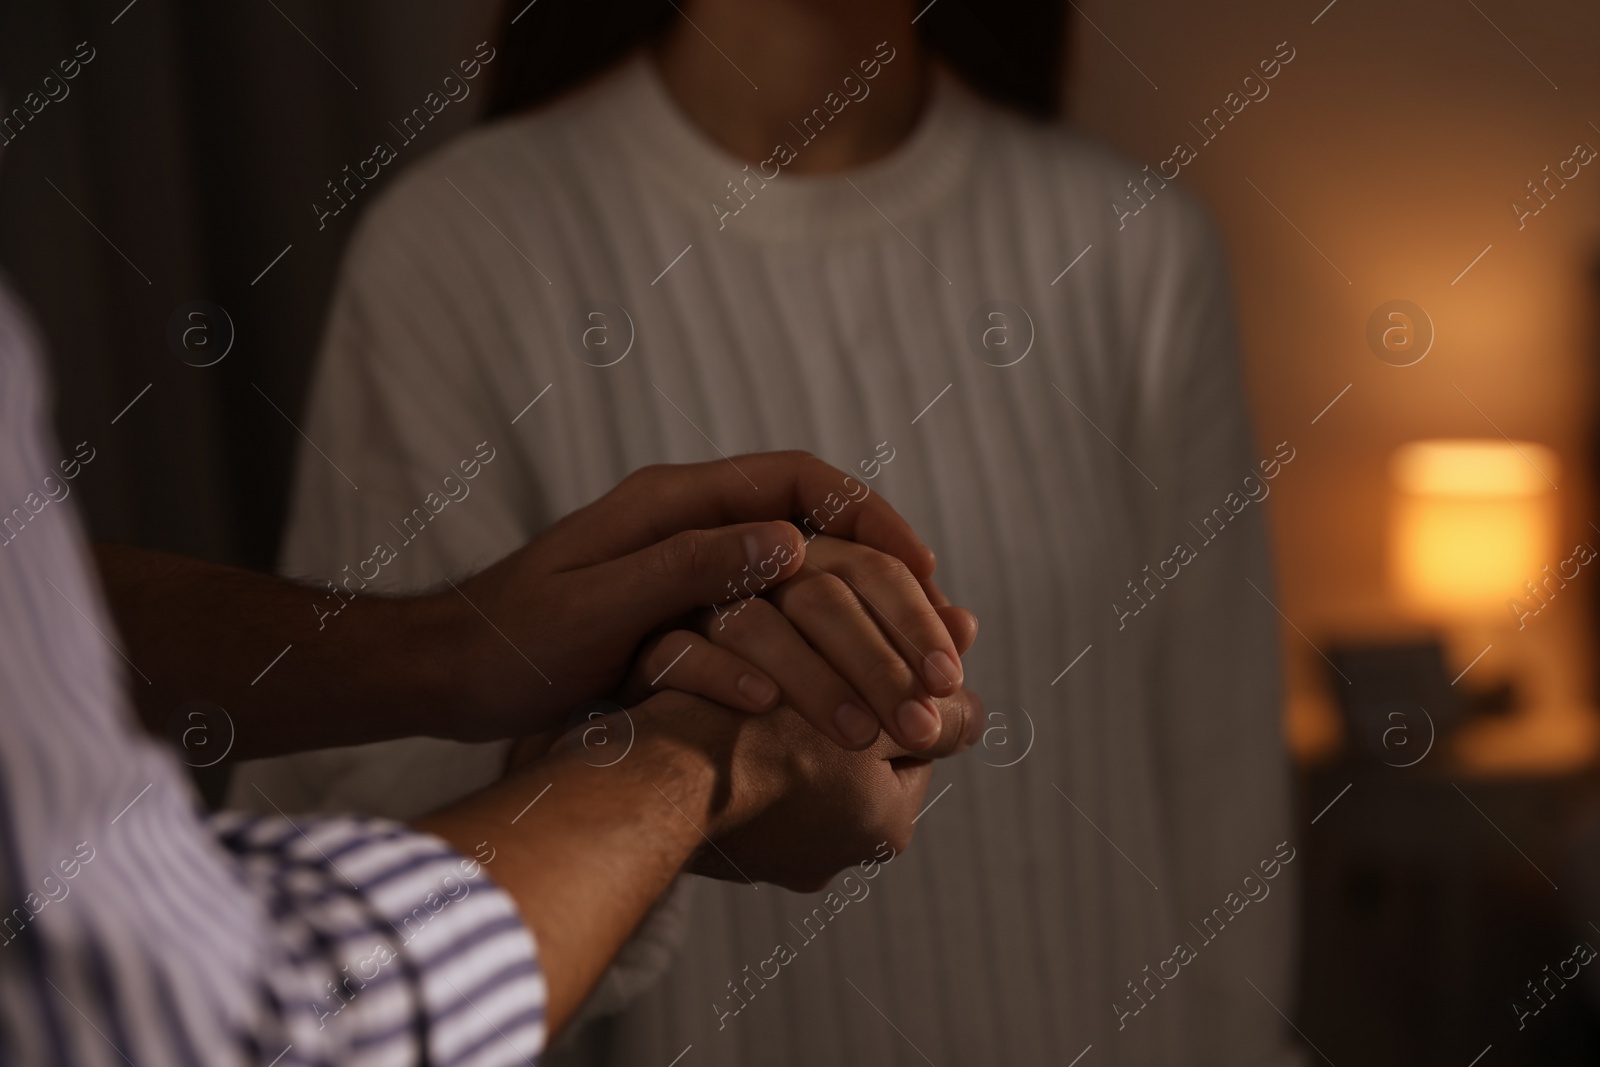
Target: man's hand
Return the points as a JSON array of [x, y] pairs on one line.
[[579, 600], [553, 634], [509, 651]]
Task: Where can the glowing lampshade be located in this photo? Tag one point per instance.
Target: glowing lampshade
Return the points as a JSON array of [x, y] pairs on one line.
[[1473, 520]]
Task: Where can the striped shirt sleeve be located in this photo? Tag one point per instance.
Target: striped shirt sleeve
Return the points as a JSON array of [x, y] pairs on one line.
[[135, 930], [395, 941]]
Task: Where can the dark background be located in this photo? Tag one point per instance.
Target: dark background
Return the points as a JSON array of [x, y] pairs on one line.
[[190, 150], [196, 141]]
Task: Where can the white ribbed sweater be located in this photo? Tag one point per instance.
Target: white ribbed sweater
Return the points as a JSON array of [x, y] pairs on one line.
[[827, 314]]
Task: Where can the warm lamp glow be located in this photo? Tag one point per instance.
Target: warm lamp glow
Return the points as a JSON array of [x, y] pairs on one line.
[[1473, 520]]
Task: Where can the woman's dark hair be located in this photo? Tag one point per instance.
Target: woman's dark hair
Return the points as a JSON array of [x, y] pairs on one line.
[[1011, 52]]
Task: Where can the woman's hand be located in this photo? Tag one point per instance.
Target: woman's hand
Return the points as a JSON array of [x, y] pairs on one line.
[[853, 639]]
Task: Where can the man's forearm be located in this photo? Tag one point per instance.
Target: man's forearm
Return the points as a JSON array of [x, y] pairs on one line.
[[585, 850], [289, 680]]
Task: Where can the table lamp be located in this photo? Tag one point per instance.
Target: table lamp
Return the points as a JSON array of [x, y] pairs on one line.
[[1473, 522]]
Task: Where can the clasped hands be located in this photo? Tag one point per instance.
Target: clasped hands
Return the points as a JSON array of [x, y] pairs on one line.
[[786, 689], [818, 672]]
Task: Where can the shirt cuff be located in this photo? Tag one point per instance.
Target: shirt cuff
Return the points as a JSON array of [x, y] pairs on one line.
[[391, 943]]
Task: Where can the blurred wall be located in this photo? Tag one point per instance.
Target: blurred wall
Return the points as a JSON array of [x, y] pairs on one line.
[[1390, 149]]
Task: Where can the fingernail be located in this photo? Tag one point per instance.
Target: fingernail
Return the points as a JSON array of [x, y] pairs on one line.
[[772, 545], [759, 691], [919, 726], [942, 673], [855, 726]]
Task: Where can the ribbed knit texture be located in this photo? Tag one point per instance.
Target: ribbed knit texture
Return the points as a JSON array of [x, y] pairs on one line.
[[827, 314]]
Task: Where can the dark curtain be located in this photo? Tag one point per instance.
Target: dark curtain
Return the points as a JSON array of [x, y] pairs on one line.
[[182, 158]]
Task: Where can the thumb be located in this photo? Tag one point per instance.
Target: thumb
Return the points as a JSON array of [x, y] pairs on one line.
[[699, 568]]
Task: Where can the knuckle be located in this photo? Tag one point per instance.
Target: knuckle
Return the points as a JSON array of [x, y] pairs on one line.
[[891, 568], [684, 553], [743, 621], [869, 563], [821, 593], [889, 672], [658, 567]]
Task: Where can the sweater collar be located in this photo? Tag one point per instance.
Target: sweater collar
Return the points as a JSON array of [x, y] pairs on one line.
[[914, 179]]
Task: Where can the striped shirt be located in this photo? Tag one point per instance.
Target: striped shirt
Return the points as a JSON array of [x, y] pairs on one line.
[[135, 930]]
